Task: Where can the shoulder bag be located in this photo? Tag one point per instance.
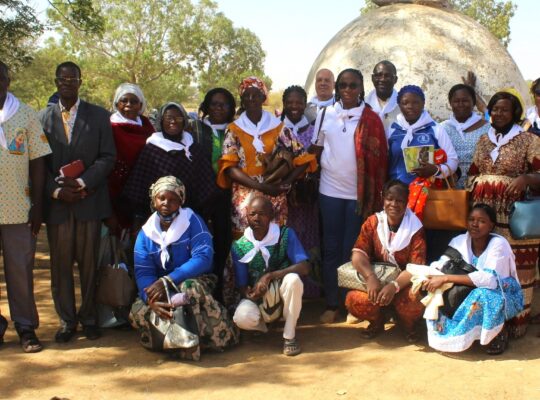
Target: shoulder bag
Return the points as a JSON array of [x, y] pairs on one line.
[[350, 278], [524, 218]]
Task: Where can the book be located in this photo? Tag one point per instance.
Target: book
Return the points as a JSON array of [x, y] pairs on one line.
[[72, 170], [414, 155]]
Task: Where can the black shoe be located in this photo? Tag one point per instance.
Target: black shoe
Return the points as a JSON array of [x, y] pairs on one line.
[[3, 327], [30, 343], [91, 332], [64, 334]]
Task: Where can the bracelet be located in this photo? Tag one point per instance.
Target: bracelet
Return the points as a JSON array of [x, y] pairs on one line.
[[396, 285]]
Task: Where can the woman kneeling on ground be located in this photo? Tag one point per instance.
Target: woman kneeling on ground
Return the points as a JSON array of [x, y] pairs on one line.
[[394, 235], [175, 244], [496, 296]]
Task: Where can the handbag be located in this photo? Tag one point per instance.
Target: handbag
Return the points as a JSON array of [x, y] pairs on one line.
[[446, 209], [454, 296], [179, 332], [350, 278], [271, 306], [116, 288], [524, 218]]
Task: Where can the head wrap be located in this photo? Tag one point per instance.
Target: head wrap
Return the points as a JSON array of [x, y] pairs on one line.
[[411, 89], [126, 88], [171, 184], [517, 95], [165, 108], [252, 81]]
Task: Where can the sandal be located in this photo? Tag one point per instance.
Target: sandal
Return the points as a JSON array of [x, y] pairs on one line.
[[30, 343], [412, 337], [499, 344], [372, 331], [291, 347], [3, 327]]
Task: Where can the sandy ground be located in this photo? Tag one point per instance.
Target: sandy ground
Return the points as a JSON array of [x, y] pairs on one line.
[[336, 364]]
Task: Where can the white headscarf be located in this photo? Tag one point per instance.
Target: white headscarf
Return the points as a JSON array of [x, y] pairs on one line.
[[390, 105], [131, 88], [270, 239], [295, 127], [350, 114], [267, 123], [501, 140], [118, 118], [322, 103], [462, 127], [157, 139], [11, 106], [424, 119], [214, 127]]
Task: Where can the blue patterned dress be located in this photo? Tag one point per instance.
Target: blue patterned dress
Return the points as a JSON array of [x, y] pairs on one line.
[[483, 313], [465, 147]]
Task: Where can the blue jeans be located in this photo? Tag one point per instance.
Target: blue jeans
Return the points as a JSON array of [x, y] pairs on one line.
[[341, 226]]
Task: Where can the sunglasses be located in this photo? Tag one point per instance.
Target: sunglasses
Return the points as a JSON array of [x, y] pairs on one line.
[[345, 85]]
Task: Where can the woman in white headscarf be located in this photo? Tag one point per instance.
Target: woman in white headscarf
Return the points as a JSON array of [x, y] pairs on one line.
[[175, 244]]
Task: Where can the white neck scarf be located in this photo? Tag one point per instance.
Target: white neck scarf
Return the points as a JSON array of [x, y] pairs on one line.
[[462, 127], [270, 239], [152, 229], [295, 127], [214, 127], [408, 227], [118, 118], [424, 119], [391, 103], [351, 114], [11, 106], [533, 117], [267, 122], [157, 139], [501, 140], [322, 103]]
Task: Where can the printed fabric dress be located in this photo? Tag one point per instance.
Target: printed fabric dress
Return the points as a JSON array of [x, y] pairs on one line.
[[238, 151], [481, 316], [489, 180]]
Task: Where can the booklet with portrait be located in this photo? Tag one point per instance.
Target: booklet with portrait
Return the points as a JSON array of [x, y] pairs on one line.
[[414, 155]]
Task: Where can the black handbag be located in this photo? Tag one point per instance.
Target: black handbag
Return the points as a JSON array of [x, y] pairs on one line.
[[180, 332], [454, 296]]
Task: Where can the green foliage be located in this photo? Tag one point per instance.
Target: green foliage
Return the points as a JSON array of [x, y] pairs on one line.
[[174, 49], [495, 15]]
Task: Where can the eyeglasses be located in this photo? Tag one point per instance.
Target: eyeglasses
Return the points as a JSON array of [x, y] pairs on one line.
[[173, 119], [125, 100], [345, 85], [219, 104], [67, 81]]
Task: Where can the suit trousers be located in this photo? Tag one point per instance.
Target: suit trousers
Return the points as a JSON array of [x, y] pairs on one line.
[[19, 247], [69, 242]]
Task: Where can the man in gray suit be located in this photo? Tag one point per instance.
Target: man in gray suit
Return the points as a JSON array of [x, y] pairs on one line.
[[78, 132]]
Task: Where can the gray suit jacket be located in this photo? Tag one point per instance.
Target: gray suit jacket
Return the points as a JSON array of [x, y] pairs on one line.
[[92, 142]]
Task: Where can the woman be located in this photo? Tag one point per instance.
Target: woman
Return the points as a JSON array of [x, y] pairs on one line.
[[172, 152], [175, 243], [464, 127], [533, 119], [505, 163], [216, 112], [351, 144], [496, 297], [393, 235], [130, 129], [248, 142]]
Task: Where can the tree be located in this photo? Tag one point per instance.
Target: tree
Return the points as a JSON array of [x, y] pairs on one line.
[[495, 15], [20, 26], [174, 49]]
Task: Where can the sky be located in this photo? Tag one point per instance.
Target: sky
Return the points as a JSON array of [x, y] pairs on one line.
[[293, 32]]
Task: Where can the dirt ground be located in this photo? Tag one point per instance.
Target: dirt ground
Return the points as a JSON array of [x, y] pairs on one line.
[[336, 364]]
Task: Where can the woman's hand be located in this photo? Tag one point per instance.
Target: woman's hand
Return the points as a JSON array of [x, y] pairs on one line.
[[386, 295], [162, 309], [272, 189], [433, 283], [425, 170], [156, 291], [517, 186], [373, 288]]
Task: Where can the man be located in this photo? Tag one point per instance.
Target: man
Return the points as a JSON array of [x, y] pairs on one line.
[[324, 88], [268, 262], [383, 99], [76, 203], [22, 148]]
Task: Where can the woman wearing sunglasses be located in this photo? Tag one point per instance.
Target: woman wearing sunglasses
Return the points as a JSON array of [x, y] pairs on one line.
[[350, 141]]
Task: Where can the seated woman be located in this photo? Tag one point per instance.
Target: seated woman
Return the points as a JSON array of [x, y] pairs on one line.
[[394, 235], [268, 262], [532, 122], [175, 243], [497, 296]]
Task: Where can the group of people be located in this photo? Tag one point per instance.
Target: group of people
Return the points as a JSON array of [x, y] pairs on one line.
[[230, 208]]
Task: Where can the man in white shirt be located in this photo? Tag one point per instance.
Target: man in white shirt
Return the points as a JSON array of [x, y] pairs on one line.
[[383, 99], [324, 88]]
